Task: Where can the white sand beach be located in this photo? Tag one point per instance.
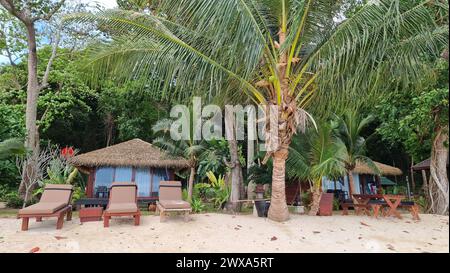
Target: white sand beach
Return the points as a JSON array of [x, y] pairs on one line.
[[214, 232]]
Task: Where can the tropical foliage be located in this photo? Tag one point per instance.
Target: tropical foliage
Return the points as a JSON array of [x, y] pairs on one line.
[[109, 76], [349, 129], [290, 54], [318, 154]]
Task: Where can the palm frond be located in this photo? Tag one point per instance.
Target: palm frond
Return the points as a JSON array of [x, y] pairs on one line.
[[369, 162], [192, 54], [376, 42]]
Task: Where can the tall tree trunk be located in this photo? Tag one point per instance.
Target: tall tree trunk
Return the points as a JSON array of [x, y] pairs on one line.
[[191, 183], [32, 88], [31, 141], [284, 121], [316, 195], [351, 183], [236, 176], [278, 210], [425, 189], [438, 170], [413, 181], [234, 165]]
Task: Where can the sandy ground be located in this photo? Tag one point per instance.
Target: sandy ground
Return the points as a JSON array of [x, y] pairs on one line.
[[232, 233]]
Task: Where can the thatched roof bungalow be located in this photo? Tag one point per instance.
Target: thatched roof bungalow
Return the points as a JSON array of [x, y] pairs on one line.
[[366, 180], [362, 168], [134, 160]]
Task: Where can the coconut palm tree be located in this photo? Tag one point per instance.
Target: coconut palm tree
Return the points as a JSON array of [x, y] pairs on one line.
[[314, 155], [292, 55], [190, 149], [349, 129]]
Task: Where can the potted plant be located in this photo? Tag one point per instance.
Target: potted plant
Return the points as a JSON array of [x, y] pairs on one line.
[[261, 175]]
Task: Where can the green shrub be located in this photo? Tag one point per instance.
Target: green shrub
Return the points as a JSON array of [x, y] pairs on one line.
[[197, 205], [78, 193], [220, 190], [4, 190], [13, 200], [397, 190], [306, 198], [422, 202]]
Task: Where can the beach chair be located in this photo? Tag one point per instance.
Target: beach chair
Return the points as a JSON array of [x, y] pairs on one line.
[[54, 202], [122, 202], [170, 200]]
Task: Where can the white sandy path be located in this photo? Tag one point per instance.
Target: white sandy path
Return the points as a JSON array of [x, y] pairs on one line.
[[228, 233]]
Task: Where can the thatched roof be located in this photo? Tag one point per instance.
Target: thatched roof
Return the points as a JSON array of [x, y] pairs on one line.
[[134, 153], [424, 165], [362, 168]]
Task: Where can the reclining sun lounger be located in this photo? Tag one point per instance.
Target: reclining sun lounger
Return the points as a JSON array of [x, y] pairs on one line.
[[170, 200], [55, 202], [122, 202]]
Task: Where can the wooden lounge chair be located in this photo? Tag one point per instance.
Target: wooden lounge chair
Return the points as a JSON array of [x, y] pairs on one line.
[[55, 202], [122, 202], [170, 200]]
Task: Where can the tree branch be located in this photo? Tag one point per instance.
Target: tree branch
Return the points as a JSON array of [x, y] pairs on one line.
[[52, 57], [9, 6], [49, 15]]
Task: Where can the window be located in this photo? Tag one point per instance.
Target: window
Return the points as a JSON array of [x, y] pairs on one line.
[[123, 174], [147, 179], [103, 179], [142, 179], [159, 175]]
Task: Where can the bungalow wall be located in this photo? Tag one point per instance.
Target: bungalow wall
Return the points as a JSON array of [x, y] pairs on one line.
[[147, 179]]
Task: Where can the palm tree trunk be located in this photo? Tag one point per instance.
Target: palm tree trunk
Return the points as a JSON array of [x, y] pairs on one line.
[[278, 210], [316, 195], [351, 183], [191, 183]]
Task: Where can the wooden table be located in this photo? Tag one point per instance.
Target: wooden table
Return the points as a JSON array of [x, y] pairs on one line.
[[393, 201], [91, 214], [361, 203]]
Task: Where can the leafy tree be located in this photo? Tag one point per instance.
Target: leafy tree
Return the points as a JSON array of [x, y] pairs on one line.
[[189, 149], [432, 108], [128, 112], [349, 128], [138, 5], [314, 155], [417, 117], [291, 55], [12, 42], [28, 13]]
